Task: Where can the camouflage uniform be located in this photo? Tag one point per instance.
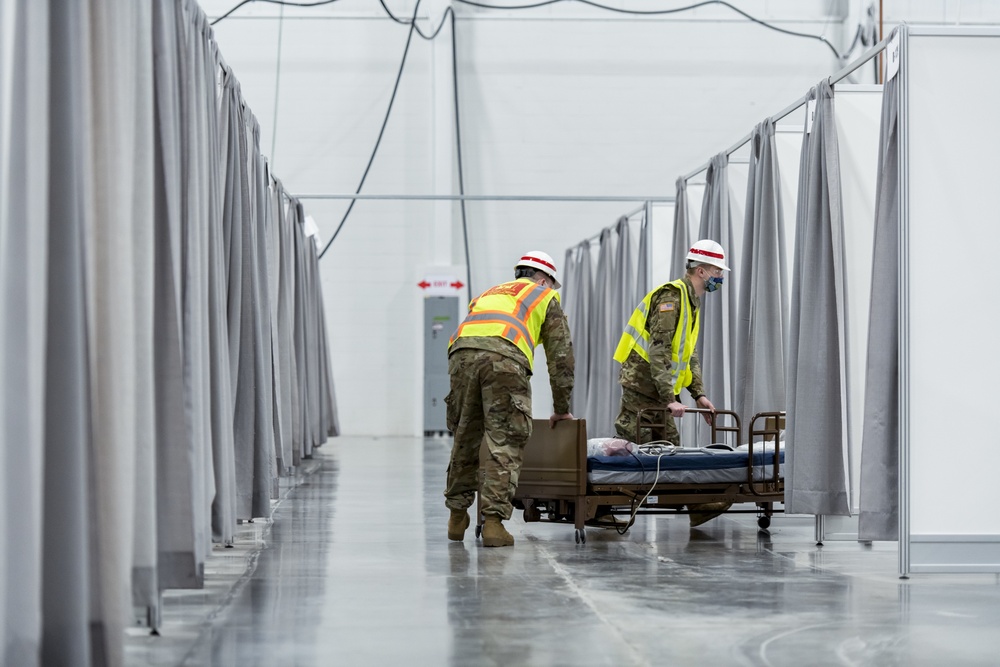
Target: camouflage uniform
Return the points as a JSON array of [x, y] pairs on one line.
[[649, 384], [491, 398]]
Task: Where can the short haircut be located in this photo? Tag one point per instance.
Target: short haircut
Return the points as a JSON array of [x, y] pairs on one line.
[[524, 272]]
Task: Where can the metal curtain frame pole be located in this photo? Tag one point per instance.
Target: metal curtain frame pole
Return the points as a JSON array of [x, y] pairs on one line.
[[836, 78], [535, 198]]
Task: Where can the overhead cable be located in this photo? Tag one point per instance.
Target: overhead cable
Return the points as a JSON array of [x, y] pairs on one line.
[[546, 3], [385, 121], [283, 3]]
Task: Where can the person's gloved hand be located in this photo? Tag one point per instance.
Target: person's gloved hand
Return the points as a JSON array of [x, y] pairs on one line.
[[559, 417]]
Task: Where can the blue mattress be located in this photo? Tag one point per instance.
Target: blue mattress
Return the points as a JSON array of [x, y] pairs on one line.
[[683, 466]]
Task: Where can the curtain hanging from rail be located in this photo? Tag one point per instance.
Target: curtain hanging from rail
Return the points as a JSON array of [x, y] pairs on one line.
[[643, 264], [718, 310], [879, 519], [681, 242], [603, 337], [120, 273], [69, 459], [115, 365], [598, 311], [817, 426], [623, 302], [762, 327], [24, 256], [180, 440], [576, 292]]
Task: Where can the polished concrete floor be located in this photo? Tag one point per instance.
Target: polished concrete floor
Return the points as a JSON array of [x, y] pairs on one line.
[[355, 569]]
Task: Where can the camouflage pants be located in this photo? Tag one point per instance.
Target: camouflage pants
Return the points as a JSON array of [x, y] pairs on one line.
[[489, 402], [625, 425]]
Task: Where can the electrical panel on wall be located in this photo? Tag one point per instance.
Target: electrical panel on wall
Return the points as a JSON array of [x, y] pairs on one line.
[[440, 322]]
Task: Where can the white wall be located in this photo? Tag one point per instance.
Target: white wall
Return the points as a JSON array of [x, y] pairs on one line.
[[560, 100]]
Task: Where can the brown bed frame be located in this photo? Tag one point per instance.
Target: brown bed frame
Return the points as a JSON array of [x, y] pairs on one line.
[[553, 483]]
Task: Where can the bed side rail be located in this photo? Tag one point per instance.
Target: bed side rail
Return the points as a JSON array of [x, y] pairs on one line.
[[657, 418], [773, 425]]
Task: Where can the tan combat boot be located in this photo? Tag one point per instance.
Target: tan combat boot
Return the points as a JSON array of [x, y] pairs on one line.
[[457, 524], [495, 535]]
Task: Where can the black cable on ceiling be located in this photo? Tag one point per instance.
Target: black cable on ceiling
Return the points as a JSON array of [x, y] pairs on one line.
[[545, 3], [283, 3], [412, 23], [458, 146], [385, 121]]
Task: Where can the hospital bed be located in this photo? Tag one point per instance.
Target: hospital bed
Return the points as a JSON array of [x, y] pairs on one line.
[[560, 483]]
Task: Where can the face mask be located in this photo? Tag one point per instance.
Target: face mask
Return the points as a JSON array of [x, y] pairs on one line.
[[713, 284]]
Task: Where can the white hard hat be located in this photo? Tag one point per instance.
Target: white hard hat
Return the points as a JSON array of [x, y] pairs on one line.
[[707, 251], [536, 259]]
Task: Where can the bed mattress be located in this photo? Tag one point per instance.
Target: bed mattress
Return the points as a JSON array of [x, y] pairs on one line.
[[684, 466]]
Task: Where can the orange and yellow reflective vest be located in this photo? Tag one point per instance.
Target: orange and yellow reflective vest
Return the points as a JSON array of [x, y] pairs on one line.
[[514, 311], [636, 337]]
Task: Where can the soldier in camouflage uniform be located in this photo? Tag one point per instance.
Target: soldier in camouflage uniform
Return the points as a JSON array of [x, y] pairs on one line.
[[652, 383], [490, 398]]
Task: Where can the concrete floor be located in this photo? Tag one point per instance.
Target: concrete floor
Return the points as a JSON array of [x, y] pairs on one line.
[[355, 569]]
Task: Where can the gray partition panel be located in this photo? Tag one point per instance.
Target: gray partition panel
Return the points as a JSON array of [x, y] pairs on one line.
[[949, 358]]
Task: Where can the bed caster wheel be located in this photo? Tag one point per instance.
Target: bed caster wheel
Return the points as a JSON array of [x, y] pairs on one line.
[[581, 536], [764, 522], [479, 530], [531, 514]]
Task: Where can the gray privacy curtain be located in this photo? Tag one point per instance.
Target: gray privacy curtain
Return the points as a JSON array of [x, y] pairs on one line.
[[576, 293], [717, 339], [817, 424], [70, 460], [24, 256], [115, 347], [643, 264], [119, 268], [177, 342], [879, 518], [681, 238], [603, 338], [597, 318], [762, 326]]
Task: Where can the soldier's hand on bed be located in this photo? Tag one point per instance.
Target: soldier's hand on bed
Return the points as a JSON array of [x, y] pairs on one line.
[[677, 409], [706, 404], [559, 417]]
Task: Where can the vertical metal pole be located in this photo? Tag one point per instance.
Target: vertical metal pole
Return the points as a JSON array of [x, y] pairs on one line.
[[903, 307], [649, 251]]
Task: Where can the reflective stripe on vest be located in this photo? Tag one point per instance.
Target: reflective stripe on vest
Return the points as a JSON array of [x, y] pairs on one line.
[[636, 337], [513, 311]]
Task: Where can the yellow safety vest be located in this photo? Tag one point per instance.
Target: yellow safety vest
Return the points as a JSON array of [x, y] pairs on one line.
[[514, 311], [636, 336]]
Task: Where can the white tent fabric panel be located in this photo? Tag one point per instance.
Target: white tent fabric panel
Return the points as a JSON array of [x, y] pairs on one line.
[[948, 182], [661, 242], [858, 112], [788, 150]]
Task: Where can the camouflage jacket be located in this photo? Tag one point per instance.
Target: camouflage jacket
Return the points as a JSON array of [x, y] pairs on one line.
[[559, 359], [653, 378]]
